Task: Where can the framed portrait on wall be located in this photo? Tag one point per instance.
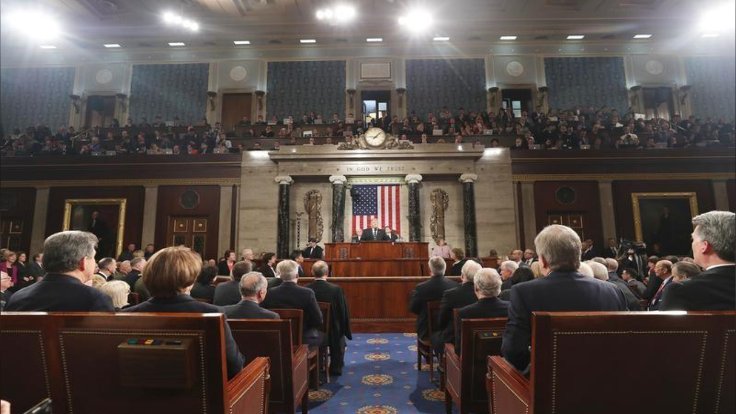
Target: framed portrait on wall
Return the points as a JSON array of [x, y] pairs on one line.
[[664, 221], [104, 217]]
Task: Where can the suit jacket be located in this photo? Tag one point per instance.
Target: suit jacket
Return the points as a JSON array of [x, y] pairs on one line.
[[267, 271], [185, 303], [247, 309], [632, 302], [640, 287], [315, 252], [427, 291], [456, 268], [292, 296], [455, 298], [611, 252], [368, 235], [657, 298], [227, 293], [222, 268], [325, 291], [713, 289], [589, 254], [35, 270], [483, 308], [59, 293], [131, 278], [200, 291], [142, 291], [559, 291], [392, 238], [652, 287]]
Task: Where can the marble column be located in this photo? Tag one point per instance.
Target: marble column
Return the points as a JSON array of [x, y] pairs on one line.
[[150, 202], [415, 222], [226, 213], [471, 236], [530, 215], [721, 195], [282, 228], [338, 208], [38, 234], [608, 216]]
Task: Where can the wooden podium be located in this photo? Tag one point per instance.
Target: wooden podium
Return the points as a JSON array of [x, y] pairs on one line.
[[376, 259]]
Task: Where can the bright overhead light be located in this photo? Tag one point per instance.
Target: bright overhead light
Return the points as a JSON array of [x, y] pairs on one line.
[[642, 36], [111, 45], [718, 19], [241, 42], [177, 44], [35, 24], [441, 38], [374, 40], [307, 41], [171, 18], [416, 20], [710, 35], [575, 37], [507, 38], [47, 47], [341, 13]]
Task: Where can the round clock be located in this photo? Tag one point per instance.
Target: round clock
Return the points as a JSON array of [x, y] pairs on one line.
[[375, 137]]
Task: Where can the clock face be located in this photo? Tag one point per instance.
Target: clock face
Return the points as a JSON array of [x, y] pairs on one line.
[[375, 137]]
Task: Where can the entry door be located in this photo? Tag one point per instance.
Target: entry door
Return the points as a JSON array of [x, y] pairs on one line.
[[234, 107], [100, 111], [373, 103], [517, 99], [188, 231], [658, 102], [11, 230], [569, 219]]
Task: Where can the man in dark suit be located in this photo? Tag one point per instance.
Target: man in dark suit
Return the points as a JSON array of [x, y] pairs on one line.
[[313, 251], [228, 293], [663, 271], [5, 283], [564, 289], [298, 257], [389, 235], [137, 266], [69, 259], [612, 250], [714, 242], [289, 295], [269, 261], [253, 288], [374, 233], [452, 299], [427, 291], [589, 250], [35, 268], [328, 292], [487, 286]]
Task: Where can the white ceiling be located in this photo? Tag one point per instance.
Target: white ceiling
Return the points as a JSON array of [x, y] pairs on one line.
[[274, 28]]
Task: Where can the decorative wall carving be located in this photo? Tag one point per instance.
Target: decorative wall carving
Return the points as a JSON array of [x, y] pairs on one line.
[[440, 201], [313, 208]]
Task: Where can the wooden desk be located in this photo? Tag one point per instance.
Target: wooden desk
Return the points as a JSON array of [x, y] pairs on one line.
[[377, 250]]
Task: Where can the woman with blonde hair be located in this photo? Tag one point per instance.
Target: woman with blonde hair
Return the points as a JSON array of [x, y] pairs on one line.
[[118, 291], [169, 277], [536, 269]]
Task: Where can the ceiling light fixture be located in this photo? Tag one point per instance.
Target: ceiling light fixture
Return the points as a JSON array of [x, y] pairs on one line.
[[374, 40], [441, 38], [510, 37], [177, 44], [307, 41], [416, 20], [241, 42], [719, 19], [35, 24], [47, 47], [339, 14], [710, 35], [174, 19], [575, 37], [111, 45], [642, 36]]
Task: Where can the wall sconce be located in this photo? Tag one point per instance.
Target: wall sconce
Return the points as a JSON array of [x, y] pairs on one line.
[[76, 101], [635, 95], [401, 92], [542, 94], [494, 92], [684, 90], [211, 95], [260, 95], [122, 98], [351, 95]]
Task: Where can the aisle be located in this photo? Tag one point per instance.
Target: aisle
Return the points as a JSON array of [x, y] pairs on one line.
[[380, 377]]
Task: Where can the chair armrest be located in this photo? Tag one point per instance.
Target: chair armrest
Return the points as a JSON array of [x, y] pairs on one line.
[[453, 371], [300, 371], [248, 391], [509, 391]]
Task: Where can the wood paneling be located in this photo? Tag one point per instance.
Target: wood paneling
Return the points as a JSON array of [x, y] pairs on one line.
[[133, 213], [622, 199], [731, 188], [19, 203], [234, 107], [169, 204], [586, 203]]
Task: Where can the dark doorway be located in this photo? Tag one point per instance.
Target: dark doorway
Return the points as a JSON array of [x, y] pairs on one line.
[[373, 103], [658, 102], [234, 107], [100, 111], [517, 99]]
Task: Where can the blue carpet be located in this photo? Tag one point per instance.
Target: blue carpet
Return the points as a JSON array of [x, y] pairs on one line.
[[379, 377]]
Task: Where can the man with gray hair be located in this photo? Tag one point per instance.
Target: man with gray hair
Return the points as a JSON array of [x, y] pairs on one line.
[[487, 286], [564, 289], [69, 260], [714, 243], [289, 295], [507, 269], [455, 298], [253, 289], [228, 293], [428, 291]]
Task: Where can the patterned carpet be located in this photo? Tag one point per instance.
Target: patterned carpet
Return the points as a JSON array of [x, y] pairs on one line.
[[380, 377]]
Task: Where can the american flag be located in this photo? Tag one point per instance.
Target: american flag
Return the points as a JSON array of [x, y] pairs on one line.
[[381, 201]]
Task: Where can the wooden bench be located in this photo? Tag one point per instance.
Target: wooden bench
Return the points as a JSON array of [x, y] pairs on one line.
[[100, 362], [272, 338], [465, 373], [591, 363]]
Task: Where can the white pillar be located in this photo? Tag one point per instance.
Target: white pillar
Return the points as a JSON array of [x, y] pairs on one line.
[[40, 212], [150, 202], [226, 210]]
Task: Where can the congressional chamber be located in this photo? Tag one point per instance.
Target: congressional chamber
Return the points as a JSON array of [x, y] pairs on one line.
[[473, 207]]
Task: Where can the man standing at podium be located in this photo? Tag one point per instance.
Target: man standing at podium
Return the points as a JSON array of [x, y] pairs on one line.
[[374, 233]]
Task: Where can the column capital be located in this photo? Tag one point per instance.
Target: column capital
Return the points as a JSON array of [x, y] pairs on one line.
[[284, 179], [413, 178], [338, 179], [468, 178]]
